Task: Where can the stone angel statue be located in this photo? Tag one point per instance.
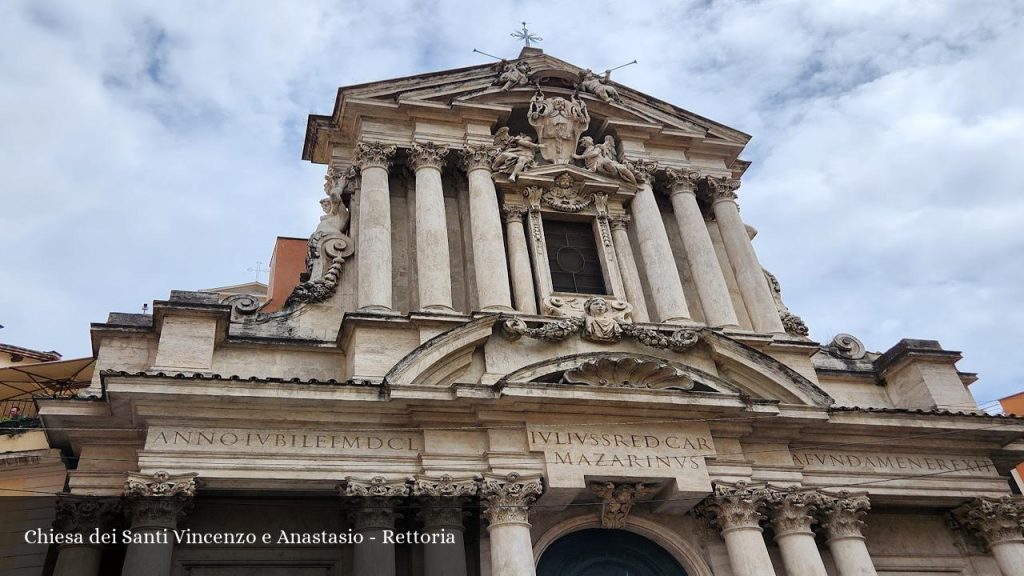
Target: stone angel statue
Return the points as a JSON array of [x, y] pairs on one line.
[[515, 153], [600, 159], [514, 74], [599, 85]]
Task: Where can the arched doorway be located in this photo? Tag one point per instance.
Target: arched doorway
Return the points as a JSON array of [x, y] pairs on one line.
[[600, 552]]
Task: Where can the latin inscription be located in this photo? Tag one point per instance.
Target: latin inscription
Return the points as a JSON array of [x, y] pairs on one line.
[[902, 464], [235, 440]]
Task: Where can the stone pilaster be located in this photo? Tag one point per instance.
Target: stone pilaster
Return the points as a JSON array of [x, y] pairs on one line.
[[372, 506], [756, 293], [655, 249], [491, 272], [792, 513], [627, 267], [737, 510], [519, 259], [843, 515], [700, 251], [433, 262], [998, 521], [507, 502], [374, 234], [442, 500], [82, 515], [155, 503]]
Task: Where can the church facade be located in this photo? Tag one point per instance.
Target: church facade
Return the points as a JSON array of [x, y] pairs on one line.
[[533, 337]]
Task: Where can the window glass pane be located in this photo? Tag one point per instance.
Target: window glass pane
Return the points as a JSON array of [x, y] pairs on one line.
[[573, 257]]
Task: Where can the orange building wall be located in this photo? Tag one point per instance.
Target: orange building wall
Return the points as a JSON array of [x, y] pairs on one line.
[[286, 264], [1015, 405]]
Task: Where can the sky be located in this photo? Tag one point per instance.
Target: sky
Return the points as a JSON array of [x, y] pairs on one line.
[[148, 146]]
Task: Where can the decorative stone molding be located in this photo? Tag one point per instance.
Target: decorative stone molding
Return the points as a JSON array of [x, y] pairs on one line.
[[374, 155], [735, 506], [566, 195], [843, 514], [507, 498], [427, 154], [721, 188], [642, 169], [628, 373], [82, 514], [478, 157], [160, 484], [378, 486], [678, 341], [792, 510], [445, 486], [846, 346], [559, 123], [996, 520], [682, 180], [514, 213], [618, 499]]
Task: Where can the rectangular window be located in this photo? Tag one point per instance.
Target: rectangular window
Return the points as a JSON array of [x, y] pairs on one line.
[[573, 257]]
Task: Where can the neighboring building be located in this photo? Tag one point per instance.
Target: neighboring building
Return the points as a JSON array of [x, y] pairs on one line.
[[531, 320], [1014, 405]]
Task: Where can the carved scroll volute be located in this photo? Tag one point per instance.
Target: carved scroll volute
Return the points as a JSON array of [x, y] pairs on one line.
[[507, 498], [735, 506]]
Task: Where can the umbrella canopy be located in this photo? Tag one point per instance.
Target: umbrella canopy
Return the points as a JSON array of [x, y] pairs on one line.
[[20, 384]]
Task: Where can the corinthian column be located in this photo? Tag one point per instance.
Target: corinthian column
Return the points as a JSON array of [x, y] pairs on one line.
[[442, 514], [843, 515], [998, 522], [627, 267], [749, 275], [373, 514], [792, 513], [519, 260], [433, 265], [485, 228], [374, 234], [506, 507], [660, 264], [155, 504], [736, 509], [82, 515], [700, 252]]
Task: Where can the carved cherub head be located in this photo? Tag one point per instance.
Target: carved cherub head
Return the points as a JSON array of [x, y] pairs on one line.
[[596, 306], [563, 180]]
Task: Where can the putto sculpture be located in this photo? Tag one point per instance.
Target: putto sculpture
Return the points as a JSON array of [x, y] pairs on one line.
[[515, 153], [601, 159], [559, 124], [599, 85], [514, 75]]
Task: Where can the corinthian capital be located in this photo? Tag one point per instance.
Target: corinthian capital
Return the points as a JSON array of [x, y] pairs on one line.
[[642, 169], [427, 154], [374, 154], [158, 499], [721, 188], [444, 487], [843, 514], [507, 499], [619, 221], [734, 506], [478, 157], [160, 484], [377, 486], [997, 520], [81, 514], [792, 510], [682, 180], [514, 213]]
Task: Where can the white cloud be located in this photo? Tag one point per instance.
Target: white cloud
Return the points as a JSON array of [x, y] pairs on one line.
[[150, 147]]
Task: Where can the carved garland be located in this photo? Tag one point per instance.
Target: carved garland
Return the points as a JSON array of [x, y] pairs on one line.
[[679, 341]]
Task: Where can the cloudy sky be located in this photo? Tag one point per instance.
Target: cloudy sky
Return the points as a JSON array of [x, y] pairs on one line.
[[152, 146]]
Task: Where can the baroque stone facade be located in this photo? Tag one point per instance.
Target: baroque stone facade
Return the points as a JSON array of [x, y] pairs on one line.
[[530, 311]]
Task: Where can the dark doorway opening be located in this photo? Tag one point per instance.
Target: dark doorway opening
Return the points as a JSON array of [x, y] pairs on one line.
[[598, 552]]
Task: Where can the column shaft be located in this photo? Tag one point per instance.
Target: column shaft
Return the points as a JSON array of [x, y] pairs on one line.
[[749, 275], [700, 253], [506, 507], [374, 557], [851, 557], [433, 265], [800, 554], [1009, 556], [445, 559], [511, 550], [628, 269], [748, 554], [519, 261], [78, 560], [148, 559], [156, 503], [659, 262], [374, 243], [488, 246]]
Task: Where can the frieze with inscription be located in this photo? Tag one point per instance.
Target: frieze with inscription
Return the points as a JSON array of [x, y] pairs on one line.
[[899, 464], [284, 441]]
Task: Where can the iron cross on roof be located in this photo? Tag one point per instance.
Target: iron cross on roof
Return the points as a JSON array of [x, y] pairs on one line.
[[526, 36]]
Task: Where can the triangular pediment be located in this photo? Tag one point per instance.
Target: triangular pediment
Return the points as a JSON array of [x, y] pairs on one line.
[[478, 88], [547, 173]]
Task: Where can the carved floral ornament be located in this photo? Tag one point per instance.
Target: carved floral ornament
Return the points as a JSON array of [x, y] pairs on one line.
[[996, 520], [427, 154], [374, 154], [618, 499], [507, 499]]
